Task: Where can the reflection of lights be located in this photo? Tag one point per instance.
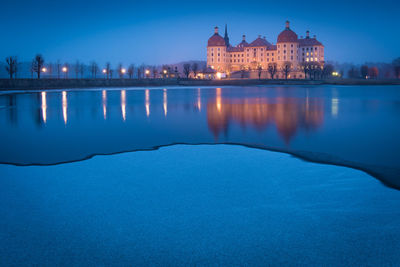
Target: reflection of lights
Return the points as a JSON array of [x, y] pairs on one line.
[[123, 104], [165, 102], [64, 106], [147, 102], [218, 99], [335, 107], [104, 98], [198, 99], [44, 107]]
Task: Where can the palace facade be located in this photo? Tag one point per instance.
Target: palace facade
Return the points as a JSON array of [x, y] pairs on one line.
[[289, 52]]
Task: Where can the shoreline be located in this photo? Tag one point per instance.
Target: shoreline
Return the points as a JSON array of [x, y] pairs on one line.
[[37, 84]]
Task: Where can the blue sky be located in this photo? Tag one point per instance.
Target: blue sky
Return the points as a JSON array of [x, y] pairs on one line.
[[172, 31]]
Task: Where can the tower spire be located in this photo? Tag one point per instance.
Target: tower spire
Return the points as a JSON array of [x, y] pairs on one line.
[[226, 37]]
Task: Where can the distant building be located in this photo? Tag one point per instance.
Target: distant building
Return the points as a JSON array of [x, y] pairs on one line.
[[260, 54]]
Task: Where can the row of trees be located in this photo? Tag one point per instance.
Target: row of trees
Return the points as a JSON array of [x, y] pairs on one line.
[[313, 70], [39, 68]]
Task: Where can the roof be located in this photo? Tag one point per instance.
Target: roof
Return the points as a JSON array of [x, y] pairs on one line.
[[243, 44], [259, 42], [287, 36], [309, 42], [236, 49], [216, 40]]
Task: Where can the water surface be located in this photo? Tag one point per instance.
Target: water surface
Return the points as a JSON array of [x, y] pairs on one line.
[[356, 126]]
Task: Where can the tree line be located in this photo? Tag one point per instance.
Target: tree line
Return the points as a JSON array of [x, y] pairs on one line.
[[39, 68]]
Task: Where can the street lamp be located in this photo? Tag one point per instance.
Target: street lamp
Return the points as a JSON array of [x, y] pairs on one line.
[[147, 72], [123, 71], [44, 69], [65, 70]]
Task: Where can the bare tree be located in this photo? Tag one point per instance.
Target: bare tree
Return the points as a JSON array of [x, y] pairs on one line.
[[107, 70], [94, 68], [12, 66], [139, 73], [259, 68], [58, 67], [327, 70], [272, 69], [306, 69], [186, 70], [286, 69], [82, 69], [77, 68], [364, 71], [38, 63], [195, 69], [155, 72], [396, 67], [120, 71], [131, 71]]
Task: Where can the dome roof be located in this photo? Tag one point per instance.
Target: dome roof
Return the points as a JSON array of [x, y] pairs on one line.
[[216, 40], [287, 35]]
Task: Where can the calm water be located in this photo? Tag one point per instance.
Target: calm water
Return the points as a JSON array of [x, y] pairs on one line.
[[351, 126]]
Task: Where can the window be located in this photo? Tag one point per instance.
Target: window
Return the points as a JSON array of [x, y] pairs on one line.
[[272, 54], [284, 51], [291, 57], [218, 54], [316, 49], [267, 59], [212, 54], [311, 49], [303, 48], [267, 54], [262, 54], [284, 45], [291, 45], [291, 52], [248, 50], [272, 59]]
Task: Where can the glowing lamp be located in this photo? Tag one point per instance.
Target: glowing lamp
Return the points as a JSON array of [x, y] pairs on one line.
[[64, 69], [44, 69]]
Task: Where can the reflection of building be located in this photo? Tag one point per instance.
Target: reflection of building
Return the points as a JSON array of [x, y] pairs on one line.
[[288, 115], [260, 54]]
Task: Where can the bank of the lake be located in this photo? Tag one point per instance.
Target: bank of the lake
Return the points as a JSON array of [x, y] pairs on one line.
[[35, 84]]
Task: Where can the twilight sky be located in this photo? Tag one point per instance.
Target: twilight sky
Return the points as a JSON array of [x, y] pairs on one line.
[[156, 32]]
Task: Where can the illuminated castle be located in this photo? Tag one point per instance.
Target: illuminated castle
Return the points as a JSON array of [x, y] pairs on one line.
[[261, 54]]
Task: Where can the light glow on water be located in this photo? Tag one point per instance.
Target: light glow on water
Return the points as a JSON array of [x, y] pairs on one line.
[[165, 102], [199, 99], [64, 106], [218, 100], [147, 102], [335, 107], [44, 107], [123, 104], [104, 101]]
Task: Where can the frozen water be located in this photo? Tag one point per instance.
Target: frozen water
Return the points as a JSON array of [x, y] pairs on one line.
[[196, 205]]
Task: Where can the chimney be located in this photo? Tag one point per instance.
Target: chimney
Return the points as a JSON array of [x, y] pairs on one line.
[[244, 37], [216, 30], [315, 37], [287, 24], [308, 34]]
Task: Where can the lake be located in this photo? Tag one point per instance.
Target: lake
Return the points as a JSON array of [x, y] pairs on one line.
[[354, 126]]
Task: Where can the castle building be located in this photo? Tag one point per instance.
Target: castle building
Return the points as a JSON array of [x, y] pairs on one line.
[[289, 52]]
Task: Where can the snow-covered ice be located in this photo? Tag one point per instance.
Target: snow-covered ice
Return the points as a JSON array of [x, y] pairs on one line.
[[196, 205]]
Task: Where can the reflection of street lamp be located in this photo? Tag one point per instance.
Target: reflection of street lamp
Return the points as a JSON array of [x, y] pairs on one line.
[[65, 70]]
